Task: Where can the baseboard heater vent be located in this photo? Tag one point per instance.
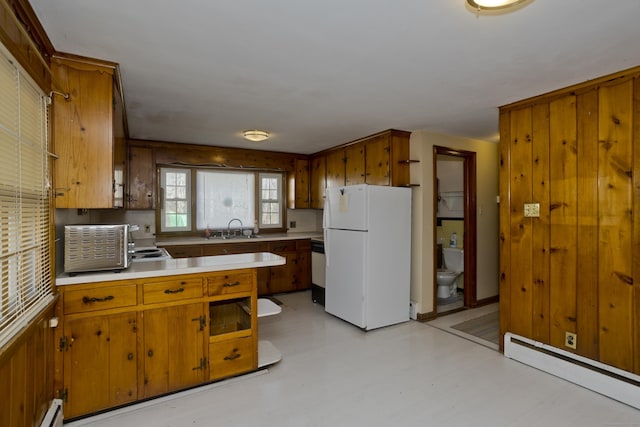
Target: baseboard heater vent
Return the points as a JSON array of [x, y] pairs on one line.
[[612, 382], [53, 417]]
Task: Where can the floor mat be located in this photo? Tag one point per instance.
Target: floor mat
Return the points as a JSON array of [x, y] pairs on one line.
[[486, 327]]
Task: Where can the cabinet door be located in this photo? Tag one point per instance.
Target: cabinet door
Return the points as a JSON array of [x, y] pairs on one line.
[[303, 265], [99, 363], [377, 158], [354, 164], [83, 136], [318, 181], [281, 277], [302, 197], [174, 356], [335, 168], [141, 178]]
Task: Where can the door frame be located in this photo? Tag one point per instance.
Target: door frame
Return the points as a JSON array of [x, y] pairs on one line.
[[470, 224]]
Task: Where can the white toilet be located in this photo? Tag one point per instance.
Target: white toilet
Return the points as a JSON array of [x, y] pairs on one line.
[[454, 267]]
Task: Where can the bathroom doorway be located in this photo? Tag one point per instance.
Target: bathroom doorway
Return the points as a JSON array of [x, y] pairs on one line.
[[458, 214]]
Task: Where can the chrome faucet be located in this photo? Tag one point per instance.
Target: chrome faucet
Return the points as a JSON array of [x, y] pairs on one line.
[[229, 225]]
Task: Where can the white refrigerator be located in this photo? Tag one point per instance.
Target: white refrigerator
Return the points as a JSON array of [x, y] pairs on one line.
[[367, 238]]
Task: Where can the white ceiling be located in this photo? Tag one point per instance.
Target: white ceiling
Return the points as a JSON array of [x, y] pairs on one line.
[[320, 73]]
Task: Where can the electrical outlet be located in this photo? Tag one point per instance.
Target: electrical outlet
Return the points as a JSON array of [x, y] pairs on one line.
[[147, 229], [292, 224], [570, 340]]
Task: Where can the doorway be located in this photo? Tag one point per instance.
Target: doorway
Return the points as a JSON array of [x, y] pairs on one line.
[[468, 211]]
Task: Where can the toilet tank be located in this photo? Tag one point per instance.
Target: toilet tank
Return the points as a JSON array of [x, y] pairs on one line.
[[453, 259]]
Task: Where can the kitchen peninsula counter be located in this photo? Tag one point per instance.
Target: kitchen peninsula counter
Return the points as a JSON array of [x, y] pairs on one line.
[[172, 267], [158, 327], [295, 275]]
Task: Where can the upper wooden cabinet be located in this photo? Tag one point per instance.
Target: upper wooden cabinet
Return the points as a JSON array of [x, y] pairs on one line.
[[336, 168], [379, 159], [318, 172], [354, 163], [141, 178], [299, 196], [88, 134]]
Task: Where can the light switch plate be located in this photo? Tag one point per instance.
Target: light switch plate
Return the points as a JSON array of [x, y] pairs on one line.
[[532, 210]]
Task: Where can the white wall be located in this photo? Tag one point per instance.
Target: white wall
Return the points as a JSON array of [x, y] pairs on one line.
[[422, 269]]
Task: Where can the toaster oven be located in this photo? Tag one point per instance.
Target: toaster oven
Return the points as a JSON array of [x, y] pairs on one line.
[[97, 247]]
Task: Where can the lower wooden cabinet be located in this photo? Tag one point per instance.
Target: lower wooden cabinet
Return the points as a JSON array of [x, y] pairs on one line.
[[173, 351], [122, 341], [100, 362], [231, 357]]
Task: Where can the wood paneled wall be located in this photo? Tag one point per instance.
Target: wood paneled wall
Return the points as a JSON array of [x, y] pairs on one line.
[[576, 267], [26, 374]]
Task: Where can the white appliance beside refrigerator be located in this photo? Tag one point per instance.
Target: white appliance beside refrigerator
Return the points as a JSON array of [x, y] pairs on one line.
[[367, 239]]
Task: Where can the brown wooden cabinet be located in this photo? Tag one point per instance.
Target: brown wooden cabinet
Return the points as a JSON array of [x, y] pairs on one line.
[[99, 347], [379, 159], [318, 178], [99, 362], [88, 135], [354, 164], [173, 350], [299, 185], [123, 341], [336, 173], [141, 178]]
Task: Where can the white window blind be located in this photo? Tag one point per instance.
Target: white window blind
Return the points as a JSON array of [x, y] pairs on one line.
[[25, 269]]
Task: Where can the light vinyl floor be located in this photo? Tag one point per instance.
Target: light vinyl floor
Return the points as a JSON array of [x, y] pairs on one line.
[[412, 374]]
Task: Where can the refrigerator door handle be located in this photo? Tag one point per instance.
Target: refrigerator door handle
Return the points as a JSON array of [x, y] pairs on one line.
[[326, 247], [326, 212], [325, 223]]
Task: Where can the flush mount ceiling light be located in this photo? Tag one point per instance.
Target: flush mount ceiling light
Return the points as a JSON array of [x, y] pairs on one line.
[[255, 135], [494, 4]]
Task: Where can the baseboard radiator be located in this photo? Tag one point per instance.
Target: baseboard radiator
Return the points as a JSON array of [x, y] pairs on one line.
[[612, 382], [53, 417]]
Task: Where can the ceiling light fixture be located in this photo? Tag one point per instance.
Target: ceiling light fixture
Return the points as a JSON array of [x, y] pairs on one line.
[[255, 135], [493, 4]]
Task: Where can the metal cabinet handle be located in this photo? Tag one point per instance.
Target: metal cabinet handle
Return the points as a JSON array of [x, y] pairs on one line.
[[130, 356], [234, 356], [150, 353], [173, 291], [228, 285], [90, 300]]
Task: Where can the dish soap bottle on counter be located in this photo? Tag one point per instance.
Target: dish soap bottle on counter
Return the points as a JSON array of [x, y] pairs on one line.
[[256, 230], [454, 240]]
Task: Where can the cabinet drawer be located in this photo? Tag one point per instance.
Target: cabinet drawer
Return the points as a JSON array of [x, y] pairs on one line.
[[81, 301], [233, 248], [232, 357], [184, 251], [221, 284], [282, 246], [172, 290]]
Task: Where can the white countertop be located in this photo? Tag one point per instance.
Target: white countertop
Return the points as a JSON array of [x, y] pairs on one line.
[[173, 267], [178, 241]]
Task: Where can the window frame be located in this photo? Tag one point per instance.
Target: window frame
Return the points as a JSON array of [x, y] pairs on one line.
[[163, 196], [193, 230]]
